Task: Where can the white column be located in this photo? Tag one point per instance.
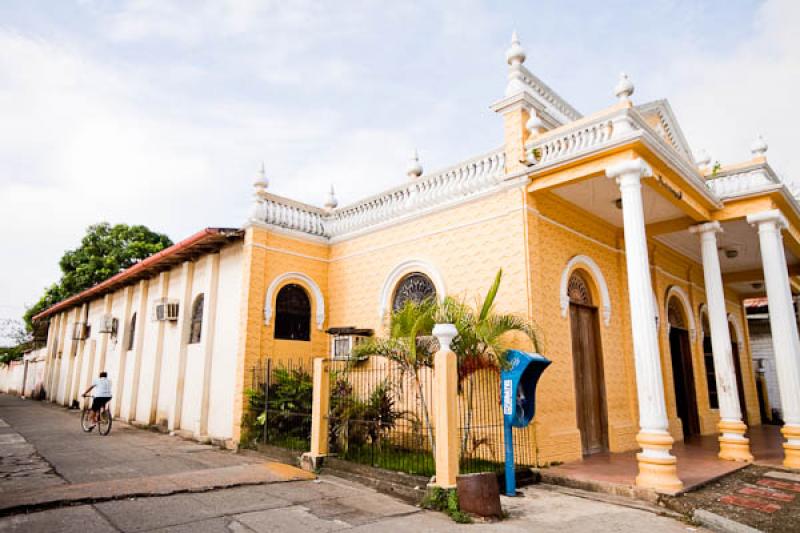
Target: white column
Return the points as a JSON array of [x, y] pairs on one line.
[[657, 467], [733, 444], [122, 351], [785, 342], [141, 331], [187, 273], [208, 332], [163, 283]]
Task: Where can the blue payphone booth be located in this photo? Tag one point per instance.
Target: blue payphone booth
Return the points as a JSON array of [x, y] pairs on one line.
[[518, 391]]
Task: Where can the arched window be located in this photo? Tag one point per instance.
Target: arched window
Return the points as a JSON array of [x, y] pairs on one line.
[[132, 332], [578, 290], [196, 329], [414, 287], [292, 314], [675, 314]]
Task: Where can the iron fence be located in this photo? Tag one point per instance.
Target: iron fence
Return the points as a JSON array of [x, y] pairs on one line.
[[481, 441], [279, 403], [380, 414]]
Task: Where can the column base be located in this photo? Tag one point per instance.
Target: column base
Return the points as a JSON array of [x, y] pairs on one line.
[[734, 448], [311, 462], [658, 469], [791, 448]]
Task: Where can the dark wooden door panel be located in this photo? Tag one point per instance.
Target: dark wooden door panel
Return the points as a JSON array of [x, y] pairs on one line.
[[737, 365], [683, 380], [589, 383]]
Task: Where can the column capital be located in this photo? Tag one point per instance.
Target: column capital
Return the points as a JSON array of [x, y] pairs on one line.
[[772, 216], [628, 171], [706, 227], [445, 333]]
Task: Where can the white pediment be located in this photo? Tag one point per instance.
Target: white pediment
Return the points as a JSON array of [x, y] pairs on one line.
[[660, 117]]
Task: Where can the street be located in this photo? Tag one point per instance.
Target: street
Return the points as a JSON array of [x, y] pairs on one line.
[[54, 477]]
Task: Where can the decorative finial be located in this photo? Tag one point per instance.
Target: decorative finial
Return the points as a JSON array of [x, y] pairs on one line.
[[259, 188], [703, 159], [414, 169], [261, 182], [515, 55], [534, 124], [331, 202], [759, 147], [624, 88]]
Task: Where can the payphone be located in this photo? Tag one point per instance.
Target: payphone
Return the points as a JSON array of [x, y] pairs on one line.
[[518, 393]]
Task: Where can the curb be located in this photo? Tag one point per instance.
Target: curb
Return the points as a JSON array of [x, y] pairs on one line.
[[721, 524]]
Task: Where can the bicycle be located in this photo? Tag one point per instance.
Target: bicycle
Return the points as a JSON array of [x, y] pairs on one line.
[[104, 418]]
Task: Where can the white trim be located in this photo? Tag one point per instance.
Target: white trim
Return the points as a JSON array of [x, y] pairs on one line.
[[573, 231], [287, 252], [319, 299], [597, 275], [733, 319], [407, 267], [680, 293], [703, 309]]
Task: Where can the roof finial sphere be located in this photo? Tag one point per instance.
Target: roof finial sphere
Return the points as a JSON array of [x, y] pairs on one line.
[[261, 181], [624, 88], [759, 146], [515, 55], [331, 202], [414, 169]]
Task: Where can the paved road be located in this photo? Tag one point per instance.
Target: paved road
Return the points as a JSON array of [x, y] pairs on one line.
[[42, 445]]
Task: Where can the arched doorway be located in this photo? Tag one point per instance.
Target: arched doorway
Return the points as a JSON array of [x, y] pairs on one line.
[[587, 360], [680, 349], [737, 366]]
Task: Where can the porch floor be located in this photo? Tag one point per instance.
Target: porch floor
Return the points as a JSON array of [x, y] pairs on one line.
[[697, 460]]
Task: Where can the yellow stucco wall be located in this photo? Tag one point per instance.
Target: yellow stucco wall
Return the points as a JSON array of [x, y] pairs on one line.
[[532, 237]]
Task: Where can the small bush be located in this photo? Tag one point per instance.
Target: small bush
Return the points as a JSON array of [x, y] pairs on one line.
[[445, 501]]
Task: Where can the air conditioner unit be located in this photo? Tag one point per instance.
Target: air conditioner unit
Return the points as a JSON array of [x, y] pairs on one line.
[[80, 331], [167, 310], [344, 340], [109, 324]]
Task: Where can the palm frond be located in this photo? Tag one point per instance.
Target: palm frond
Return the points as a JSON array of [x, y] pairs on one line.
[[488, 302]]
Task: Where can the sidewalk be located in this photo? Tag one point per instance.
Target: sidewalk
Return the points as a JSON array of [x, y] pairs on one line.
[[135, 481]]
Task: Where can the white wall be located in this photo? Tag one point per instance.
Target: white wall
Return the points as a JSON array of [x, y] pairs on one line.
[[226, 344], [223, 350]]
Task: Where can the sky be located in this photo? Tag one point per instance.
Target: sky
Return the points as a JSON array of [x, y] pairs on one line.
[[160, 112]]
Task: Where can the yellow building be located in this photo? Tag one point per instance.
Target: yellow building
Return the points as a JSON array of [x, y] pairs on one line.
[[632, 255]]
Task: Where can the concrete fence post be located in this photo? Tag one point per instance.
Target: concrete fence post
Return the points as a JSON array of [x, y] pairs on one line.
[[319, 416], [445, 407]]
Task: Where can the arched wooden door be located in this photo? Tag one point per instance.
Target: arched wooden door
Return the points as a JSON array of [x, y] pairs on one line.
[[680, 349], [587, 360]]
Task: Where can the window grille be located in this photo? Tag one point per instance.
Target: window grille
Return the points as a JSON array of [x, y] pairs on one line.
[[292, 314]]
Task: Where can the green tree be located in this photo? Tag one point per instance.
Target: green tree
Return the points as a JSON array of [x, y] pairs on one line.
[[410, 345], [483, 340], [14, 331], [105, 250]]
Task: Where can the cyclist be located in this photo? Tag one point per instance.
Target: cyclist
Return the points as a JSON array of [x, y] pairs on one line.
[[101, 396]]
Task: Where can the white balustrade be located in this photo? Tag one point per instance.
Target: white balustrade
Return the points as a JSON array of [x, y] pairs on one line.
[[455, 183], [735, 184], [561, 146]]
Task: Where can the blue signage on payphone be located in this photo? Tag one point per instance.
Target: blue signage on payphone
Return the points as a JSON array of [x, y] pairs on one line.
[[518, 391]]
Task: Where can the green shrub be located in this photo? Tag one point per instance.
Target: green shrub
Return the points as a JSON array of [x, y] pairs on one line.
[[445, 501], [288, 404]]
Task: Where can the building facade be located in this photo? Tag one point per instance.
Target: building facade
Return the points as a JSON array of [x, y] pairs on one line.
[[632, 256]]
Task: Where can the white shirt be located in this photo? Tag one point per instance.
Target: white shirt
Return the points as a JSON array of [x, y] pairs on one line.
[[102, 388]]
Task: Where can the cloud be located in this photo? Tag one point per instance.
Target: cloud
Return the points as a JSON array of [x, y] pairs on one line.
[[159, 112], [724, 98]]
